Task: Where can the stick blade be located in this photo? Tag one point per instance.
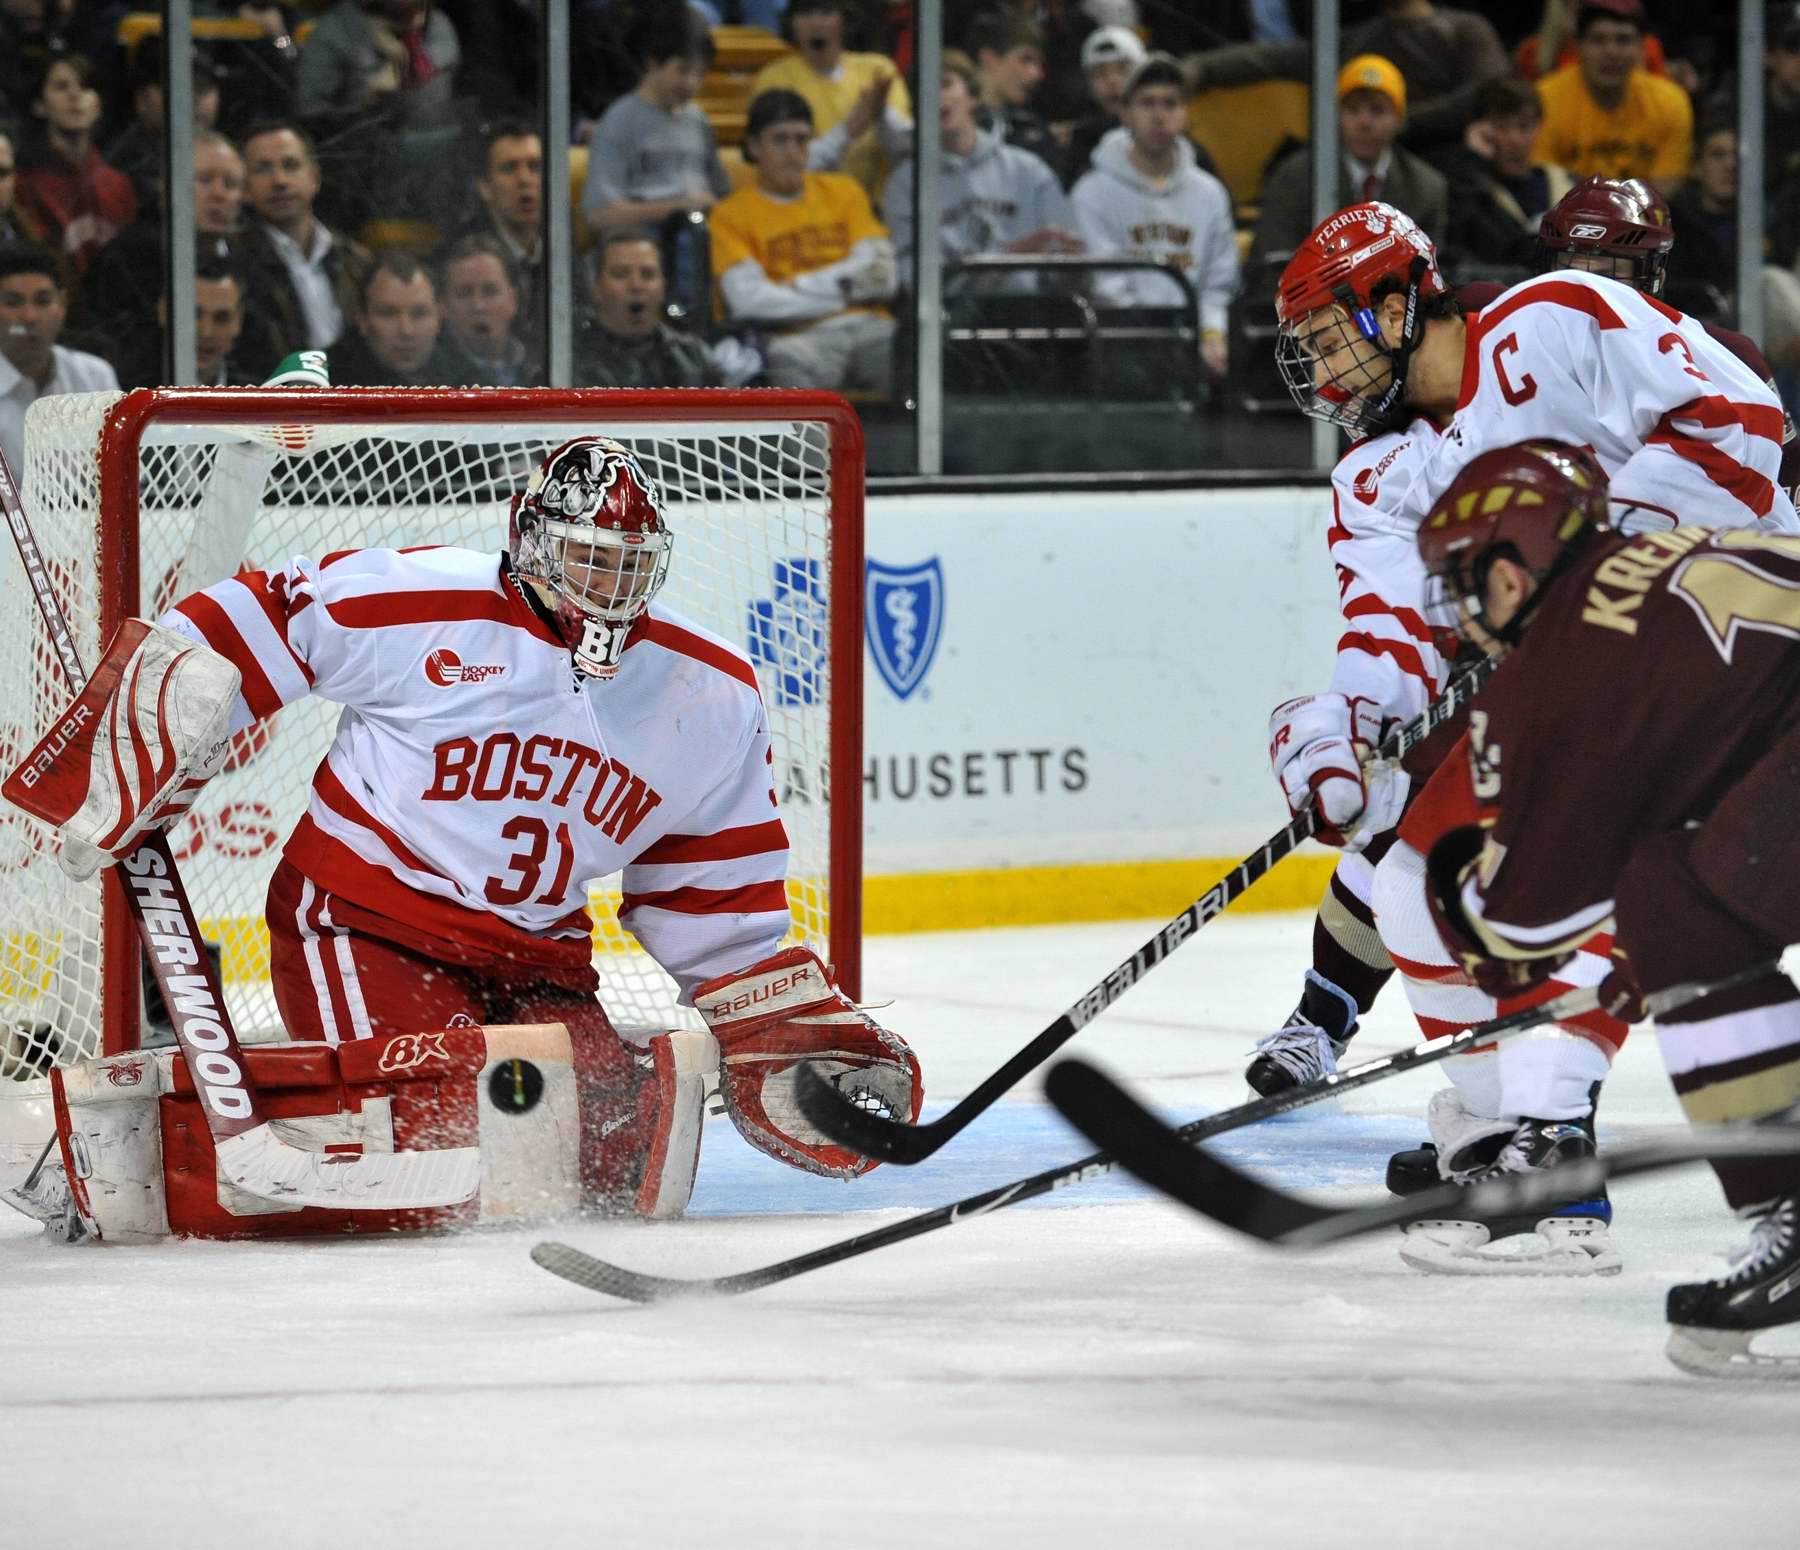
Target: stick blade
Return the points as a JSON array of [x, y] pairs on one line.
[[1116, 1122], [861, 1130], [598, 1275], [261, 1164]]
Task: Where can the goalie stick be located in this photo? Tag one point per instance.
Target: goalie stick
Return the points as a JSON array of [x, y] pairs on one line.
[[250, 1154], [600, 1275], [890, 1140], [1168, 1160]]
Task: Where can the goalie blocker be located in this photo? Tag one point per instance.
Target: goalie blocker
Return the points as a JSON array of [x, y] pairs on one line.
[[140, 1163], [134, 750]]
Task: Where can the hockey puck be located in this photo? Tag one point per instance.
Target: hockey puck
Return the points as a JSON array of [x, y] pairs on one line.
[[514, 1086]]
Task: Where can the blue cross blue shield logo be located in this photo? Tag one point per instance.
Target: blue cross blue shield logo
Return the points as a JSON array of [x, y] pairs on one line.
[[789, 632], [903, 616]]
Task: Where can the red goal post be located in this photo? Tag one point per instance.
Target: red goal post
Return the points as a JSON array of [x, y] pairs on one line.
[[141, 497]]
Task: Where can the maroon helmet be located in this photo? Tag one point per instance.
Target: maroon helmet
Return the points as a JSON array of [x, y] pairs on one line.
[[1612, 226], [1535, 503], [589, 529]]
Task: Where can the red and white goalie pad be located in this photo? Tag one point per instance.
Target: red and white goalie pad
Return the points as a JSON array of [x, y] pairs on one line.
[[787, 1010], [140, 1163], [133, 751]]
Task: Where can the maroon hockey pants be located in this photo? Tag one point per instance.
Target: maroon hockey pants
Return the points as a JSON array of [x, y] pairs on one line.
[[1698, 904]]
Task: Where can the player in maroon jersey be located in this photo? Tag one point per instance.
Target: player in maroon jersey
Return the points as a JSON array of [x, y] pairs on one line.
[[1656, 789]]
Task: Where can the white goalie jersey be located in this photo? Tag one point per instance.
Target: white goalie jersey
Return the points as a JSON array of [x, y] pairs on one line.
[[477, 785]]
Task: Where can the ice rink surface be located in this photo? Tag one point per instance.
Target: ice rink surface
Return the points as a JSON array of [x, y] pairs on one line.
[[1096, 1369]]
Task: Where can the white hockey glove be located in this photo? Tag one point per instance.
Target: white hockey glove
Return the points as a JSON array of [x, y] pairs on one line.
[[786, 1010], [131, 754], [1321, 747]]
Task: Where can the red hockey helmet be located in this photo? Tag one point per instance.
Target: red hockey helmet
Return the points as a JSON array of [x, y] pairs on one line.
[[589, 528], [1612, 226], [1535, 503], [1329, 345]]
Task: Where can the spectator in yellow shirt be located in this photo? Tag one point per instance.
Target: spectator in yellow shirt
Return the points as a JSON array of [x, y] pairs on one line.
[[862, 116], [801, 254], [1605, 115]]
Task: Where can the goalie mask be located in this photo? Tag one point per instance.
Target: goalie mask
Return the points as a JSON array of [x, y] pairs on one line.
[[589, 528], [1329, 345]]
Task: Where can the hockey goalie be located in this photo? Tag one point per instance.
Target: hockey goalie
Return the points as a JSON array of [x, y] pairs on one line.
[[515, 725]]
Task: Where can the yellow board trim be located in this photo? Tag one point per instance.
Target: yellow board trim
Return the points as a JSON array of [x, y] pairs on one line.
[[918, 901], [1055, 895]]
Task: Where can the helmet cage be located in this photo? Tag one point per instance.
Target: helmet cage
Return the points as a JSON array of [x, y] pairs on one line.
[[1358, 396], [589, 529]]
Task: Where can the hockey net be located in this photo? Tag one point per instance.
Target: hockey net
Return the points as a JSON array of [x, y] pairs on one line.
[[140, 498]]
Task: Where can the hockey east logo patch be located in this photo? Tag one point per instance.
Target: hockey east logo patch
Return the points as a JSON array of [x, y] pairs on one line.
[[444, 668], [903, 616]]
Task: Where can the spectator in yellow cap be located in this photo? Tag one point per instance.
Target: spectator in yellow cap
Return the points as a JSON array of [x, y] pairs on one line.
[[1371, 110], [1445, 55]]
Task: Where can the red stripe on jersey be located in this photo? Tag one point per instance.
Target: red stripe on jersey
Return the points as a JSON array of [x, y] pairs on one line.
[[1406, 657], [1721, 467], [222, 635], [270, 589], [1337, 532], [751, 839], [751, 899], [671, 637], [1406, 618], [336, 796], [1431, 973], [437, 927], [1558, 293], [384, 610], [1716, 412]]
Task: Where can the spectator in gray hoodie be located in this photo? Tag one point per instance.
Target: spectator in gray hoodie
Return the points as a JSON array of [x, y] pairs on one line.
[[995, 197], [1145, 198]]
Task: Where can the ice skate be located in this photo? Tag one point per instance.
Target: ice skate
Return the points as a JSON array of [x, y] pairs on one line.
[[1711, 1323], [1570, 1238], [1309, 1045]]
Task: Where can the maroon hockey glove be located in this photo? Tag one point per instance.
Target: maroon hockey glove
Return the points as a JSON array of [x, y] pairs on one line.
[[1620, 994], [1447, 868], [781, 1012]]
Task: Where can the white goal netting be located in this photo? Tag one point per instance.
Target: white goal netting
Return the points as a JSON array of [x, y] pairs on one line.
[[750, 503]]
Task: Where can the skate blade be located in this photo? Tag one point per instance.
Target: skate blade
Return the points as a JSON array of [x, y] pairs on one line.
[[1726, 1353], [1560, 1246]]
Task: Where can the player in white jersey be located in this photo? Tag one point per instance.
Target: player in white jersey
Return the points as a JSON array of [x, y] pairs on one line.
[[1370, 335], [515, 726]]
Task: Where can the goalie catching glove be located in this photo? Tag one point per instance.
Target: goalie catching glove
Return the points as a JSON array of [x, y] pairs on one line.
[[1322, 749], [783, 1012], [134, 750]]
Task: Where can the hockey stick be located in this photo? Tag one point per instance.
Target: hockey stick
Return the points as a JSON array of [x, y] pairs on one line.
[[891, 1140], [1167, 1159], [250, 1155], [599, 1275], [1212, 1187]]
